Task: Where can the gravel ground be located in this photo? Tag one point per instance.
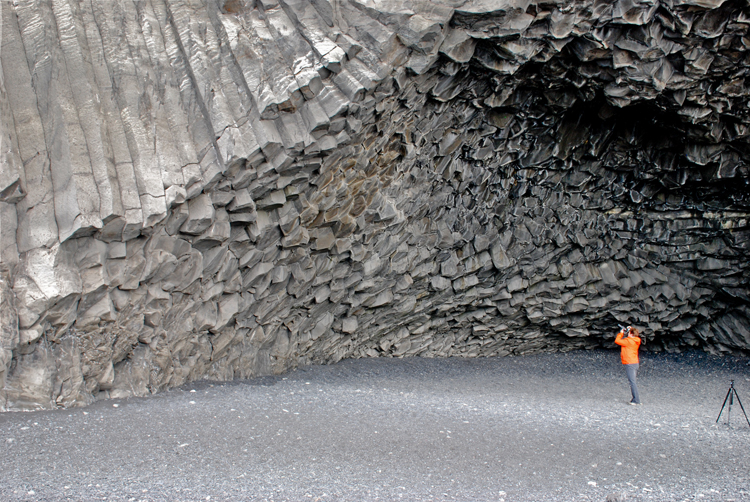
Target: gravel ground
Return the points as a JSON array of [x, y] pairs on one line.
[[533, 428]]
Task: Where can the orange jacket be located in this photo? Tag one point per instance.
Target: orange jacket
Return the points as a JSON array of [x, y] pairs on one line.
[[629, 348]]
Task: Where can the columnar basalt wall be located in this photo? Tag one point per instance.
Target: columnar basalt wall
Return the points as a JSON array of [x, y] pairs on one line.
[[228, 188]]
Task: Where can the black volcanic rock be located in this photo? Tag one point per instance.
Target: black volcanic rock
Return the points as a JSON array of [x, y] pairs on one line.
[[226, 189]]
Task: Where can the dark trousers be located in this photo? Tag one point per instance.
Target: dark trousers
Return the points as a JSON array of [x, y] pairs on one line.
[[632, 371]]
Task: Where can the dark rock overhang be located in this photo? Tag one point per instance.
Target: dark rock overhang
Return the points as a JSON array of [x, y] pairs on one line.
[[239, 188]]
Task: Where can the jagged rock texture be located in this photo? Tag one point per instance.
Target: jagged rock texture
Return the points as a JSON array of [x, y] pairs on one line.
[[228, 188]]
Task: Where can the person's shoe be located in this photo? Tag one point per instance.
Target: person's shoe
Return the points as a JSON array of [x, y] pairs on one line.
[[634, 404]]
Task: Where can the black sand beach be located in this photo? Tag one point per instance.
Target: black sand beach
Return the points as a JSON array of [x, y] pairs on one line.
[[534, 428]]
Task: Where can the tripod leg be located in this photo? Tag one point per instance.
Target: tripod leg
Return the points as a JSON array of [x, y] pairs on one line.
[[722, 406], [729, 408], [742, 407]]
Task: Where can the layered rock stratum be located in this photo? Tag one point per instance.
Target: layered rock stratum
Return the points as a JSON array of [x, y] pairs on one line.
[[228, 188]]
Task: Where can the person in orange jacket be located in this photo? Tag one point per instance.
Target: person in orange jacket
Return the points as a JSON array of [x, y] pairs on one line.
[[629, 355]]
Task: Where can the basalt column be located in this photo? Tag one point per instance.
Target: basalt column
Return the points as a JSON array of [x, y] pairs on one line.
[[228, 188]]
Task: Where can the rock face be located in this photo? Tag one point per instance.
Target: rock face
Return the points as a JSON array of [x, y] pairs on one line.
[[228, 188]]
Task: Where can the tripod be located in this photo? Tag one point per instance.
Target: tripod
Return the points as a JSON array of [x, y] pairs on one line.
[[731, 394]]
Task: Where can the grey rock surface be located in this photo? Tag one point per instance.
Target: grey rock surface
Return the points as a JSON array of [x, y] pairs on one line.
[[229, 188]]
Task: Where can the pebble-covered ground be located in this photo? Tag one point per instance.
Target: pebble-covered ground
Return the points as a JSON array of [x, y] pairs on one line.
[[534, 428]]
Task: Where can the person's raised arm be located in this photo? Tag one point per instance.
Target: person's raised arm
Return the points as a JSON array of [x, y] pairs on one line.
[[618, 339]]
